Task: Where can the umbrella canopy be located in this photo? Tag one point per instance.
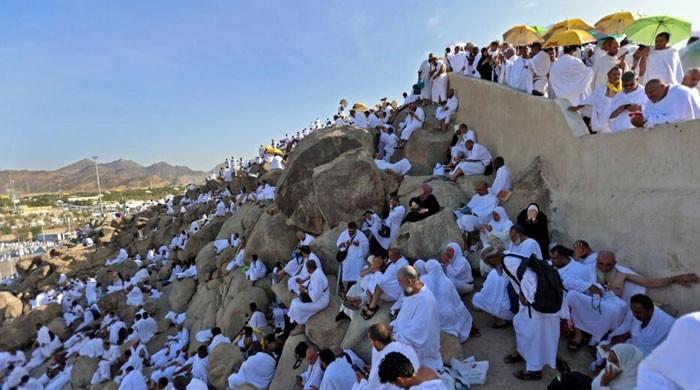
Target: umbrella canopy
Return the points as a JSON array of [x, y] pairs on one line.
[[567, 24], [569, 38], [272, 150], [644, 30], [615, 23], [521, 35], [541, 30], [690, 57], [359, 106]]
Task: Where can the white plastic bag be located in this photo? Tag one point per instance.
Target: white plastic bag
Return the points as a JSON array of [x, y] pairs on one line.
[[471, 371]]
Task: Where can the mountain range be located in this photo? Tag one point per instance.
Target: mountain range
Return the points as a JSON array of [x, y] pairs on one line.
[[80, 177]]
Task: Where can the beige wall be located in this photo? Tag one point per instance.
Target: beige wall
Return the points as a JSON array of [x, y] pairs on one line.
[[636, 193]]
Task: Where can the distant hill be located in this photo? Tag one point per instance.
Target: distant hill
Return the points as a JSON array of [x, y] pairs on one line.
[[118, 174]]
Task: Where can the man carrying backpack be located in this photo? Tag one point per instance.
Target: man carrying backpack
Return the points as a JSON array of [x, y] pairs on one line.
[[540, 294]]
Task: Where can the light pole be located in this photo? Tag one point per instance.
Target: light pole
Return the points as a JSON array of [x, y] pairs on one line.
[[99, 189]]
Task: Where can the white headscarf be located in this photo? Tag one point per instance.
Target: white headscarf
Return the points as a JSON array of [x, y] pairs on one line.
[[629, 358], [504, 224], [457, 251], [419, 265]]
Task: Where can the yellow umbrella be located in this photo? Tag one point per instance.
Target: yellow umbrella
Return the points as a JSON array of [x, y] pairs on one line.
[[569, 38], [521, 35], [359, 106], [567, 24], [273, 150], [615, 23]]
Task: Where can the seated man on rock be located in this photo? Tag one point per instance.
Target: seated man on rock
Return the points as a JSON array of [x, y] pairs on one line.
[[474, 163], [397, 369], [503, 182], [314, 296], [649, 327], [257, 269], [611, 287], [478, 210], [414, 121], [446, 111], [295, 268], [257, 370], [457, 268], [400, 167], [379, 281], [312, 377], [337, 371]]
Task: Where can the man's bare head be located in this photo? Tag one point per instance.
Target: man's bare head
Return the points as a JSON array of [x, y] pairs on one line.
[[606, 261], [655, 90], [692, 78]]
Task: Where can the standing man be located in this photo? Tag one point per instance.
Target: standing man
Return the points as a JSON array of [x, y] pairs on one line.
[[356, 246]]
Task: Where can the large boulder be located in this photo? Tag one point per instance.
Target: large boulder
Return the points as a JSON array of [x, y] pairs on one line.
[[201, 312], [467, 183], [21, 332], [83, 368], [347, 186], [282, 293], [272, 177], [529, 186], [127, 269], [272, 239], [324, 246], [425, 239], [223, 360], [285, 374], [206, 262], [241, 222], [116, 302], [448, 194], [198, 240], [233, 315], [322, 328], [10, 306], [295, 196], [59, 328], [180, 294]]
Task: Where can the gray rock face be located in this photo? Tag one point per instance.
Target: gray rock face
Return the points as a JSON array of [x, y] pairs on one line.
[[272, 239], [22, 331], [10, 306], [181, 293], [83, 368], [242, 222], [347, 186], [233, 315], [206, 262], [425, 239], [224, 359], [295, 195]]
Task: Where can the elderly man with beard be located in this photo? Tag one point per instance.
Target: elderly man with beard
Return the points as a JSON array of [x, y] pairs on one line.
[[603, 307]]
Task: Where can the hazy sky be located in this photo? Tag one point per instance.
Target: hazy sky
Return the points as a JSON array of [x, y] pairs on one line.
[[190, 82]]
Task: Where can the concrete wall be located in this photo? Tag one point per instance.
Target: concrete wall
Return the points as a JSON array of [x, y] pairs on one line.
[[636, 193]]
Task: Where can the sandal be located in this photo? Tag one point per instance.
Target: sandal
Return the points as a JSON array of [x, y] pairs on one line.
[[368, 312], [528, 375], [351, 305], [513, 358]]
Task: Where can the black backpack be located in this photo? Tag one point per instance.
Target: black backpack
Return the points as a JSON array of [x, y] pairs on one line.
[[550, 290], [569, 380]]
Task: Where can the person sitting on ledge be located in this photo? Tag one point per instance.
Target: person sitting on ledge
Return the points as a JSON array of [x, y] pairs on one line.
[[423, 205], [667, 104]]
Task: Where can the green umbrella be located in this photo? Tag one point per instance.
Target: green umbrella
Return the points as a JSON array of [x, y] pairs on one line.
[[540, 30], [644, 31]]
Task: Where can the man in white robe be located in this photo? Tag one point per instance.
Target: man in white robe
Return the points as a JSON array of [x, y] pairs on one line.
[[518, 76], [387, 142], [661, 63], [145, 328], [458, 62], [522, 245], [397, 369], [631, 99], [217, 339], [478, 210], [475, 162], [605, 62], [356, 245], [445, 112], [257, 370], [536, 333], [380, 284], [649, 327], [318, 298], [337, 372], [414, 121], [257, 269], [296, 269], [418, 321], [493, 299], [569, 78], [133, 380], [311, 378], [455, 319], [134, 297], [503, 180], [382, 344], [599, 100], [220, 209], [538, 66], [359, 119], [400, 167], [121, 257], [667, 104]]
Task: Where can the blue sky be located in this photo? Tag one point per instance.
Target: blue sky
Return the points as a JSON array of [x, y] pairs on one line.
[[190, 82]]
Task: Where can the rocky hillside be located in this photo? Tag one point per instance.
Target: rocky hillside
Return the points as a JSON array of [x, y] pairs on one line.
[[330, 180], [118, 174]]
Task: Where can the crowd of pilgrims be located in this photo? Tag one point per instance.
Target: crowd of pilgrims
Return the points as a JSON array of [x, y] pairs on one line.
[[597, 303]]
